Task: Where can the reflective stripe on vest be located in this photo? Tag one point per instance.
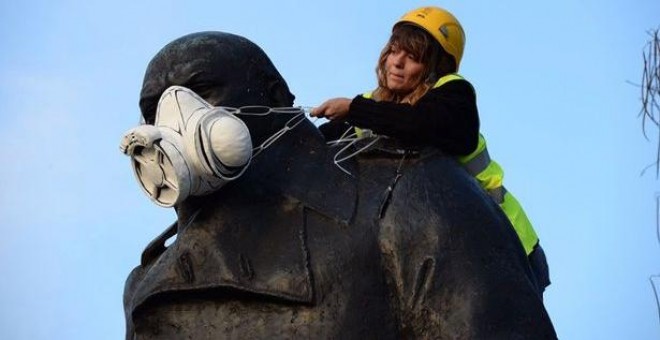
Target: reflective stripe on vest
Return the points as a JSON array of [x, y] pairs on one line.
[[477, 164], [497, 194]]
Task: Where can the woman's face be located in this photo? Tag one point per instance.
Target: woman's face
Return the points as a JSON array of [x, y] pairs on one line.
[[403, 70]]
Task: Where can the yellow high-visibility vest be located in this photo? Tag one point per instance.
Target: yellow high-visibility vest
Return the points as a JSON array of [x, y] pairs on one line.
[[490, 176]]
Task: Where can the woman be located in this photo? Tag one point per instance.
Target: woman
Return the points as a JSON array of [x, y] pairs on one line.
[[420, 100]]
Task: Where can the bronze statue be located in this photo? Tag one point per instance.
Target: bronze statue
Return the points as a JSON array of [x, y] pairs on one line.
[[404, 246]]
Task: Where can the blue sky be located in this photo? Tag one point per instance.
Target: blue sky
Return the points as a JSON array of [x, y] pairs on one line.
[[556, 103]]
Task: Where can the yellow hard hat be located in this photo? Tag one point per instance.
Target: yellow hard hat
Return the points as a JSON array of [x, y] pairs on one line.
[[442, 25]]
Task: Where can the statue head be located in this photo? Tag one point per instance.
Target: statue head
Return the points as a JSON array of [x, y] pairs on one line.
[[192, 143], [223, 68]]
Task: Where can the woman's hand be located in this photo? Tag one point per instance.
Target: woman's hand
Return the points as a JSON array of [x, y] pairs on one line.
[[333, 109]]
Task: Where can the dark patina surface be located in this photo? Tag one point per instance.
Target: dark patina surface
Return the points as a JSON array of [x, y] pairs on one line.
[[296, 248]]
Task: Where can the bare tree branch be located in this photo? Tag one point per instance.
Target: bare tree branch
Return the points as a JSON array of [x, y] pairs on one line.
[[650, 87], [650, 112]]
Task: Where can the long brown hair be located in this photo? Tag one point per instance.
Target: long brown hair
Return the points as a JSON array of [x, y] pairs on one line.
[[426, 50]]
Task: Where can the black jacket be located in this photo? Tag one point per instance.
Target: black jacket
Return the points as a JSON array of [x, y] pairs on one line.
[[446, 117]]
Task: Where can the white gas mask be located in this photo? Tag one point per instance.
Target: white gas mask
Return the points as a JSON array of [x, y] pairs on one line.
[[192, 149]]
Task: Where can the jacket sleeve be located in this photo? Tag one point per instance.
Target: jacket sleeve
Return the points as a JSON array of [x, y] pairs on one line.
[[445, 117]]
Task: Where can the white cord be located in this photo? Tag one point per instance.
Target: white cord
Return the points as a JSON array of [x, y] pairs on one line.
[[262, 111], [351, 139]]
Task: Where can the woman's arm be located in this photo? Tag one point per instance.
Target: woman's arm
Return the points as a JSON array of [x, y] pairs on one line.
[[445, 117]]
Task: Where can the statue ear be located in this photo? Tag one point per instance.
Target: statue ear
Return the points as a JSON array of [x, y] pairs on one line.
[[148, 108]]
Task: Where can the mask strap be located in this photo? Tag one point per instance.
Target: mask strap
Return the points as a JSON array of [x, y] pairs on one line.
[[290, 125], [262, 111], [338, 158]]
